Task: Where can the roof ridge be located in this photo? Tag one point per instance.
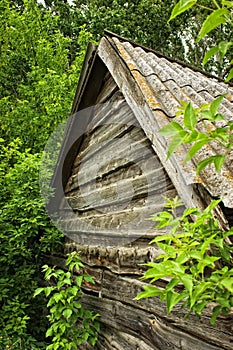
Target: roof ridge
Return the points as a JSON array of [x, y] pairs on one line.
[[110, 34]]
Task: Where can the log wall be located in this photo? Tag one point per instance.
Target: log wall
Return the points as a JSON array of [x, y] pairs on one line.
[[117, 181]]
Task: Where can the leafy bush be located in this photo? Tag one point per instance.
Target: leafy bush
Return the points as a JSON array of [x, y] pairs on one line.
[[70, 324], [196, 259]]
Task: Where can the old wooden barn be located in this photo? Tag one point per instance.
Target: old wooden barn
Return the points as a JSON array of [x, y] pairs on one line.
[[112, 174]]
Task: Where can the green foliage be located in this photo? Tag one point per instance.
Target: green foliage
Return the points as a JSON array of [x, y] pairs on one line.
[[37, 84], [181, 6], [26, 232], [196, 260], [197, 253], [37, 79], [70, 324], [221, 15], [205, 118]]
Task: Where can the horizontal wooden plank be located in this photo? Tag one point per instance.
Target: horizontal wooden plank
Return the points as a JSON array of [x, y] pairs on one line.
[[108, 89], [156, 331]]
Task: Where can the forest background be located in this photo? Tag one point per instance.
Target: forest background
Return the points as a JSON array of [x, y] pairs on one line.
[[42, 46]]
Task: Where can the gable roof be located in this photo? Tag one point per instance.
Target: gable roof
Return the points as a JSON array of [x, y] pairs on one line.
[[156, 84]]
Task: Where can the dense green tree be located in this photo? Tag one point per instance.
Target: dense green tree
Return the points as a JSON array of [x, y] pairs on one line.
[[37, 84]]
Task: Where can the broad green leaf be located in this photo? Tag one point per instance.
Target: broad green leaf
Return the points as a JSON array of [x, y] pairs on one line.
[[228, 283], [49, 332], [210, 53], [181, 6], [155, 273], [175, 143], [223, 47], [198, 291], [173, 298], [202, 164], [149, 291], [215, 314], [230, 75], [67, 313], [214, 106], [216, 18], [79, 280], [172, 284], [168, 249], [218, 162], [195, 148], [190, 119], [199, 307], [38, 291], [48, 290], [188, 283], [208, 261], [182, 258], [227, 3], [171, 129], [206, 114]]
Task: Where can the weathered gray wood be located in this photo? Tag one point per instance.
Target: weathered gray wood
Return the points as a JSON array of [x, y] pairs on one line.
[[156, 331], [144, 102], [127, 322], [116, 180]]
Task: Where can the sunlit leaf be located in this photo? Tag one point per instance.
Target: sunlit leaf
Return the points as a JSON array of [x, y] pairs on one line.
[[218, 161], [149, 291], [195, 148], [230, 75], [173, 298], [202, 164], [210, 53], [223, 47], [181, 6], [171, 129], [228, 283], [214, 106], [216, 18], [190, 119], [175, 143], [188, 283], [227, 3]]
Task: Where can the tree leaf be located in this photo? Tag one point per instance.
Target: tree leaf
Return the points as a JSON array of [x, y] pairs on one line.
[[227, 3], [228, 283], [67, 313], [171, 129], [181, 6], [175, 143], [188, 283], [211, 52], [195, 148], [218, 161], [202, 164], [173, 298], [190, 119], [38, 291], [215, 314], [216, 18], [230, 75], [214, 106], [149, 291], [223, 47]]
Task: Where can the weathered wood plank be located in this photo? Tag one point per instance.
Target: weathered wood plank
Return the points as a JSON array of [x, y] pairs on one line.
[[145, 319], [148, 120], [156, 331]]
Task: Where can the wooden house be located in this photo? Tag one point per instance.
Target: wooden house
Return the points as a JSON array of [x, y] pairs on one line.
[[113, 174]]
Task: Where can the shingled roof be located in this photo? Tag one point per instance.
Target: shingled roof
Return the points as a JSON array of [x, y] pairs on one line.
[[163, 83]]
